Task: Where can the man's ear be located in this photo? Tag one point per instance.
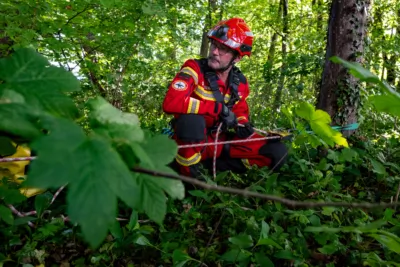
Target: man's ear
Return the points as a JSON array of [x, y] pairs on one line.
[[237, 59]]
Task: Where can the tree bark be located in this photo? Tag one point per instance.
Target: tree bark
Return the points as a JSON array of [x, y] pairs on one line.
[[278, 95], [207, 25], [339, 94]]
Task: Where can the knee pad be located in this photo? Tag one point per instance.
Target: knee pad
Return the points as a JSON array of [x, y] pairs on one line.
[[277, 152], [190, 128]]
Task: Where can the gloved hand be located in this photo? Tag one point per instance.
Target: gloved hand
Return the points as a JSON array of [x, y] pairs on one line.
[[228, 118], [244, 131]]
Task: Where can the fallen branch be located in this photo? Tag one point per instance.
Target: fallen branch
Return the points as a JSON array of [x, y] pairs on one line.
[[247, 193]]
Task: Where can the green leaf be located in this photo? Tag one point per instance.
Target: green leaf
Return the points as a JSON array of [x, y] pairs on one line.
[[235, 255], [42, 202], [6, 215], [161, 148], [264, 230], [285, 254], [113, 123], [19, 121], [107, 3], [387, 103], [11, 196], [388, 241], [348, 154], [305, 111], [378, 167], [148, 196], [9, 96], [363, 74], [263, 260], [242, 240], [314, 220], [201, 194], [98, 178], [174, 188], [141, 240], [268, 241], [41, 84], [6, 147], [27, 68], [180, 258], [116, 230], [328, 249], [357, 70], [56, 155], [133, 220]]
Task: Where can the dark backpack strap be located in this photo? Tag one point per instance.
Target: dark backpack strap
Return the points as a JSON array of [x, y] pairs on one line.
[[212, 79], [234, 84]]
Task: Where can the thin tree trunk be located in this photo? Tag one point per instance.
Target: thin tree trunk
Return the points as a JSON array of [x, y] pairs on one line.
[[278, 95], [208, 23], [398, 39], [339, 94]]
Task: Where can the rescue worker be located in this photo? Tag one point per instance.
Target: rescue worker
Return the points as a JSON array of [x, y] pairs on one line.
[[209, 91]]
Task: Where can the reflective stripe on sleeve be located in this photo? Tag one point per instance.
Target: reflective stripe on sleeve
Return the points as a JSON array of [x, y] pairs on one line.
[[194, 106], [188, 161], [191, 72], [204, 94]]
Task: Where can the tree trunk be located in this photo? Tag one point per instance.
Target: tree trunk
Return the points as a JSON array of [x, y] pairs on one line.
[[340, 93], [398, 38], [278, 95], [207, 26]]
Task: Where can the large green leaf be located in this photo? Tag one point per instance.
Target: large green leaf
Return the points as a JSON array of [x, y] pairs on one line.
[[28, 69], [41, 84], [387, 103], [305, 111], [109, 121], [161, 148], [18, 120], [92, 196], [319, 121], [56, 154], [388, 240], [149, 197], [357, 70]]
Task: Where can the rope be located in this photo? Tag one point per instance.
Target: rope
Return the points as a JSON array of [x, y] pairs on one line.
[[17, 159]]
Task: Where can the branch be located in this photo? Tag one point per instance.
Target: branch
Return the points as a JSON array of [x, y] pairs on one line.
[[247, 193], [77, 14]]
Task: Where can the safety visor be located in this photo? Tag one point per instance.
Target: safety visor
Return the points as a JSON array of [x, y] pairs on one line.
[[221, 33]]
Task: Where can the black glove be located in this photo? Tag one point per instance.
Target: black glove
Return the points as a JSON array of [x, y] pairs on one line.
[[228, 117], [244, 131]]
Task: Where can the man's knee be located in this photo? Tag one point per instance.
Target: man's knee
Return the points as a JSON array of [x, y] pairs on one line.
[[277, 152], [190, 128]]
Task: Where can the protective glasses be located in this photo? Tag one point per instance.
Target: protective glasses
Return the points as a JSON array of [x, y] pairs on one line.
[[222, 49]]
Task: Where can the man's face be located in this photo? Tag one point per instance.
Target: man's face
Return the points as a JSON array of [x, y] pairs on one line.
[[219, 56]]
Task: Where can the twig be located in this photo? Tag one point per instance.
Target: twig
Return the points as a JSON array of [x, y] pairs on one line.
[[397, 195], [212, 237], [247, 193]]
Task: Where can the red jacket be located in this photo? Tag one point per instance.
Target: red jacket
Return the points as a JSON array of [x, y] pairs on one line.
[[189, 92]]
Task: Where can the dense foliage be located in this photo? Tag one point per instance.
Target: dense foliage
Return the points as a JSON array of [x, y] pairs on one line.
[[95, 115]]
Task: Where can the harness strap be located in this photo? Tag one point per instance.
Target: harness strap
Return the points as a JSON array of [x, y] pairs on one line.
[[212, 79]]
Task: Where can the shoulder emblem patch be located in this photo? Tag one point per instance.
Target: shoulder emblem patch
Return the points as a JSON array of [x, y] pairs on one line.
[[180, 85]]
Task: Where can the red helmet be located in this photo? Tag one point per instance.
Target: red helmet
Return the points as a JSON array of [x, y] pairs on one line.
[[233, 33]]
